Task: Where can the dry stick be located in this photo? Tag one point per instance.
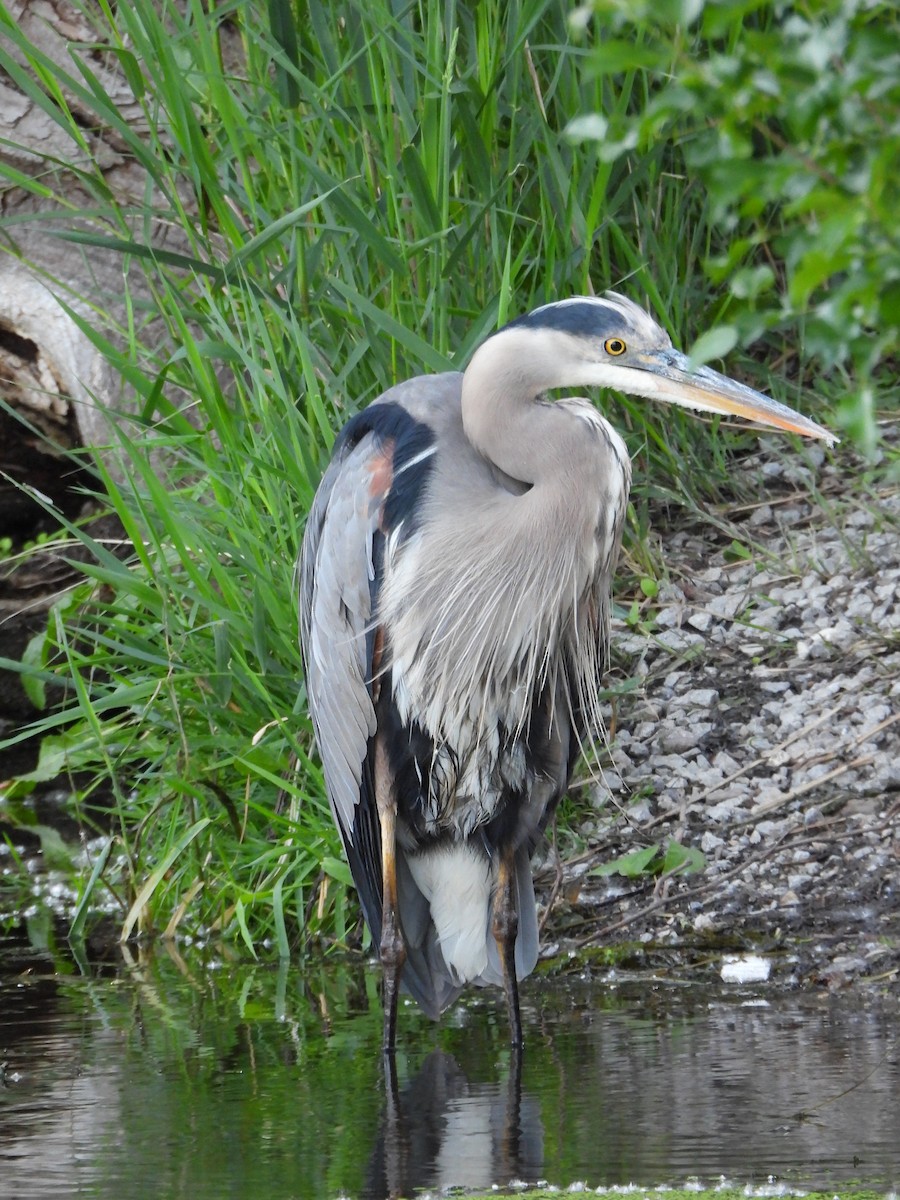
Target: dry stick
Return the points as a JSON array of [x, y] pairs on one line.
[[535, 81], [670, 813], [801, 790], [624, 922], [812, 834], [756, 762], [858, 741], [811, 784], [557, 883], [866, 734]]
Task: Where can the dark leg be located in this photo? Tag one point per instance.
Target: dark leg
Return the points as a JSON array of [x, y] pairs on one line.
[[504, 928], [511, 1143], [392, 948], [395, 1145]]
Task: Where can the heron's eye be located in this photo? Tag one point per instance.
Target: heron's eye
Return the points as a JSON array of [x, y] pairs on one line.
[[614, 346]]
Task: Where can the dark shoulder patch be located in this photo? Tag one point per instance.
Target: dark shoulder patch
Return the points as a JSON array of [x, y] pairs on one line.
[[413, 443], [388, 421]]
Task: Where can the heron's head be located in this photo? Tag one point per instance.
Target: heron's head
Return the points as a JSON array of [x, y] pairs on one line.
[[608, 341]]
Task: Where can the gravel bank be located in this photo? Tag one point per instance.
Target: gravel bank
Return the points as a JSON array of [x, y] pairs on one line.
[[766, 733]]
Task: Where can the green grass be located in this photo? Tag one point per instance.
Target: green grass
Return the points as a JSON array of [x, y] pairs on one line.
[[348, 201]]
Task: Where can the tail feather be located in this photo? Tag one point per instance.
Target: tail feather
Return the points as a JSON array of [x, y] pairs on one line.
[[445, 911], [527, 941], [425, 976]]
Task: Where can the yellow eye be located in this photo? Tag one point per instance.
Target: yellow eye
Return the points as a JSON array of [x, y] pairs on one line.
[[614, 346]]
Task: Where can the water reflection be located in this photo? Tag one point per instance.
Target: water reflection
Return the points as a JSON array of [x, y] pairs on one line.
[[190, 1077], [441, 1131]]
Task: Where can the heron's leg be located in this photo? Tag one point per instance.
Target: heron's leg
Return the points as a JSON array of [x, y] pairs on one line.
[[395, 1139], [392, 948], [511, 1141], [504, 928]]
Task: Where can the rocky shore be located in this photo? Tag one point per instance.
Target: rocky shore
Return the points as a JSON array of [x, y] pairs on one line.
[[765, 732]]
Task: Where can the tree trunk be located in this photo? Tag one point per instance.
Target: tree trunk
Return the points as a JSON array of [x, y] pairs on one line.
[[55, 388]]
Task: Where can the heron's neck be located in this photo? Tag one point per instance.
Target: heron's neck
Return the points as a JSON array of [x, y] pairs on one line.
[[500, 413]]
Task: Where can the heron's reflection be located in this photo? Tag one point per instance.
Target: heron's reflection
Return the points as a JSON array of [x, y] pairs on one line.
[[441, 1131]]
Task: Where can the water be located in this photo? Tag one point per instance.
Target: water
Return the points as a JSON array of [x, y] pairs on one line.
[[162, 1076]]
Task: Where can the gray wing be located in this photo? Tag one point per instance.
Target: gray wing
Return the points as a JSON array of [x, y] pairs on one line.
[[338, 583]]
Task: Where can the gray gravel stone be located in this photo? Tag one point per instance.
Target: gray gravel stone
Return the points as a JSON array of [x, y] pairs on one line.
[[765, 732]]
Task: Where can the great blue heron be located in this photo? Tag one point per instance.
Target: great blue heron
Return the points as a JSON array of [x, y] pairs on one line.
[[455, 591]]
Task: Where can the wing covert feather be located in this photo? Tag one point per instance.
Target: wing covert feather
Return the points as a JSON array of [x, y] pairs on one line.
[[337, 589]]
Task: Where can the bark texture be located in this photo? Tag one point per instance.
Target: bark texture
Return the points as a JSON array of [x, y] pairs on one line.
[[55, 388]]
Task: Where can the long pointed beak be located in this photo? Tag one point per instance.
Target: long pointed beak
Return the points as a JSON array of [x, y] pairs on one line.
[[707, 390]]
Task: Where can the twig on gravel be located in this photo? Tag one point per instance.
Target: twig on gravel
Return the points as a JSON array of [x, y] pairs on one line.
[[758, 812], [811, 784], [810, 834], [671, 813], [865, 736], [559, 866], [773, 805]]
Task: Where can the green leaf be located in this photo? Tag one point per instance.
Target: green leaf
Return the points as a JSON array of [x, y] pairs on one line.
[[54, 851], [158, 875], [240, 912], [76, 929], [738, 551], [173, 258], [337, 869], [631, 865], [685, 859], [272, 233], [34, 677], [715, 343], [281, 936]]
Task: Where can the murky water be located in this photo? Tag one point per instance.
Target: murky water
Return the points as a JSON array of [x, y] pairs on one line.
[[164, 1076]]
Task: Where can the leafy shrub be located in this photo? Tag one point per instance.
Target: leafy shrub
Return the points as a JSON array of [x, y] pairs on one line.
[[789, 116]]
